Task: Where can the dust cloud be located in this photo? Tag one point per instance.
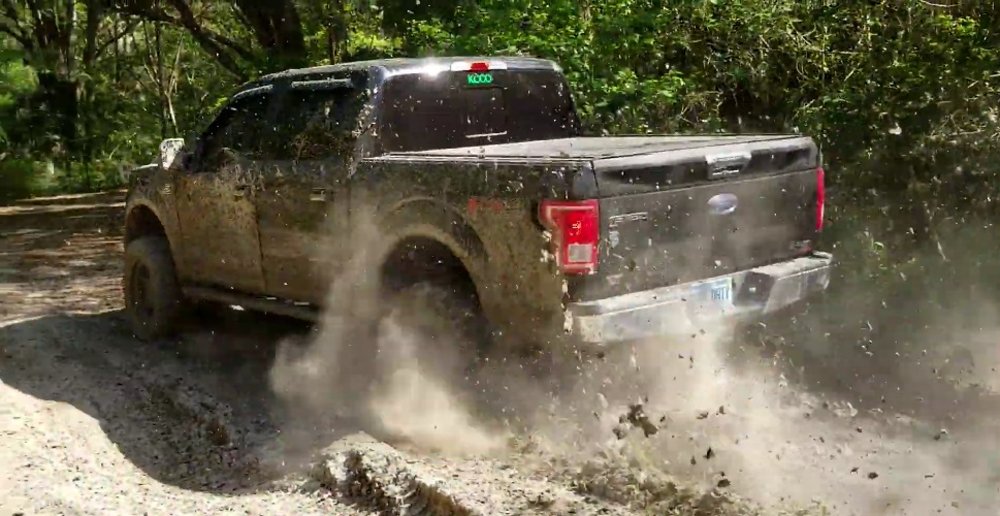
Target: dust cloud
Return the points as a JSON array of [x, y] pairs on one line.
[[878, 399], [419, 403], [873, 400], [388, 370]]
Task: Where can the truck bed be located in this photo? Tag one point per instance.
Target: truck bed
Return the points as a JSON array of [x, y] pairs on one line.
[[677, 208]]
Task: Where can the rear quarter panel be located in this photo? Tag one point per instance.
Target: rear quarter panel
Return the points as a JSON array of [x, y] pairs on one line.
[[487, 213]]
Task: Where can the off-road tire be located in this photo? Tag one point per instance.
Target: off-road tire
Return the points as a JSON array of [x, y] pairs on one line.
[[426, 325], [153, 300], [443, 311]]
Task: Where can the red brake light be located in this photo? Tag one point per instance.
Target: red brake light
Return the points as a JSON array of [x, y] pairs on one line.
[[480, 66], [820, 197], [575, 227]]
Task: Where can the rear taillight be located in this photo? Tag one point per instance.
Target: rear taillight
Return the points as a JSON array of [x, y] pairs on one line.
[[820, 197], [576, 231]]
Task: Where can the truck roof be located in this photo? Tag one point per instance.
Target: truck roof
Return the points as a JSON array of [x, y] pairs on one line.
[[397, 66]]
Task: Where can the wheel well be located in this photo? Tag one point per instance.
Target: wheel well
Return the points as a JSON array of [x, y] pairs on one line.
[[419, 259], [142, 222]]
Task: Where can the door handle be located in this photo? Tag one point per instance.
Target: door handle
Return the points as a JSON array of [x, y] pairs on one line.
[[317, 195]]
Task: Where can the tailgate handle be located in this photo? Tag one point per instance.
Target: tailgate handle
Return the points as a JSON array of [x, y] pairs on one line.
[[726, 165], [317, 195]]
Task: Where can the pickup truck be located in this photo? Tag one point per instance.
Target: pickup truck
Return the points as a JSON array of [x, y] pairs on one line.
[[480, 182]]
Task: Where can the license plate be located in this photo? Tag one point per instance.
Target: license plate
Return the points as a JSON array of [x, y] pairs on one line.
[[718, 293]]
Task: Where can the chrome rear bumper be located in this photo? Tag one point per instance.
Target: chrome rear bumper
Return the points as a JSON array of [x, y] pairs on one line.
[[682, 309]]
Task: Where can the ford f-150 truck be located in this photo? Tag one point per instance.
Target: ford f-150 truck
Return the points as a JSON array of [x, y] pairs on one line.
[[480, 182]]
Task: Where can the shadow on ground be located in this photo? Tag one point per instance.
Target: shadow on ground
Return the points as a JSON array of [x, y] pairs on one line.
[[195, 412]]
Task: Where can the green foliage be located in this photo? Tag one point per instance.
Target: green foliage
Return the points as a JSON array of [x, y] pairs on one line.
[[20, 178], [900, 94], [16, 81]]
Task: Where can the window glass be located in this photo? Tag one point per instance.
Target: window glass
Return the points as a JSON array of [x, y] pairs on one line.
[[446, 110], [485, 112], [237, 130], [316, 124]]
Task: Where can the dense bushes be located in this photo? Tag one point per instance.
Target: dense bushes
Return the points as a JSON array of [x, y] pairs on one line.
[[20, 178], [902, 95]]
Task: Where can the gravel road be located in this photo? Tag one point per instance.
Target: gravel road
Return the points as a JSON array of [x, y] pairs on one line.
[[94, 422]]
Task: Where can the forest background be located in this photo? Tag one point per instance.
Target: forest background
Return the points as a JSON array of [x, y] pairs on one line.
[[902, 95]]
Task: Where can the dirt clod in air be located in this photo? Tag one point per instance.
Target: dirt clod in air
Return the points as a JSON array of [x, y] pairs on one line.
[[635, 417]]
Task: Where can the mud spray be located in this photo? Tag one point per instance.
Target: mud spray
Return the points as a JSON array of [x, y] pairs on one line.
[[391, 371], [788, 426]]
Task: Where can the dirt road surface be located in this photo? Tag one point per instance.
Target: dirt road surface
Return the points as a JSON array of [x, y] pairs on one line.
[[94, 422]]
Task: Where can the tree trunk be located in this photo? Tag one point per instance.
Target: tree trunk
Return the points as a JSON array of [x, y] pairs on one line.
[[278, 28], [95, 11], [160, 86]]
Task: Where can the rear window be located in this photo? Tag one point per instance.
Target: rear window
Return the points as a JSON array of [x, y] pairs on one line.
[[459, 109]]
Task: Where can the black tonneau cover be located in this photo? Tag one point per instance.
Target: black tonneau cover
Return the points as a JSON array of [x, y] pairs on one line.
[[624, 165]]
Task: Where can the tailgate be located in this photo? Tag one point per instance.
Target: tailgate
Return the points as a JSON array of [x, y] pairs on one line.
[[702, 211]]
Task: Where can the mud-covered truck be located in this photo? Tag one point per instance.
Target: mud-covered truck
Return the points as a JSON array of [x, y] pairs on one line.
[[480, 183]]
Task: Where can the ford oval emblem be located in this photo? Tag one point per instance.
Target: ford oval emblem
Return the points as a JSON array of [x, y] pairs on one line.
[[723, 204]]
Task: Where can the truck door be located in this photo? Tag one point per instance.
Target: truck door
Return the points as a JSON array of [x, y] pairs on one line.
[[215, 200], [299, 202]]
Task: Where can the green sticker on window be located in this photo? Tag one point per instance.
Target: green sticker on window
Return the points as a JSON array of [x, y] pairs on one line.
[[479, 79]]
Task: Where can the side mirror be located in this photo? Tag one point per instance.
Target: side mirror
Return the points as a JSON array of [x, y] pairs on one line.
[[172, 154]]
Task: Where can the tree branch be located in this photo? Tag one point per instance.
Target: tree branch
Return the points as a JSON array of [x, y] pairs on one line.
[[33, 7], [240, 15], [277, 28], [175, 72], [205, 39], [10, 11], [39, 30], [234, 46], [209, 41], [117, 37], [17, 35], [145, 12]]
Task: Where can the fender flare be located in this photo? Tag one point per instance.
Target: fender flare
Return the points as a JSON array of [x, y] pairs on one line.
[[168, 227], [428, 218]]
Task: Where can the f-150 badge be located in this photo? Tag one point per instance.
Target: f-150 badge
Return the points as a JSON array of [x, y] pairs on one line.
[[616, 220]]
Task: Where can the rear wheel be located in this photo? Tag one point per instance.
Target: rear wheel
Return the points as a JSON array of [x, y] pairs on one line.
[[152, 293], [426, 339], [439, 325]]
